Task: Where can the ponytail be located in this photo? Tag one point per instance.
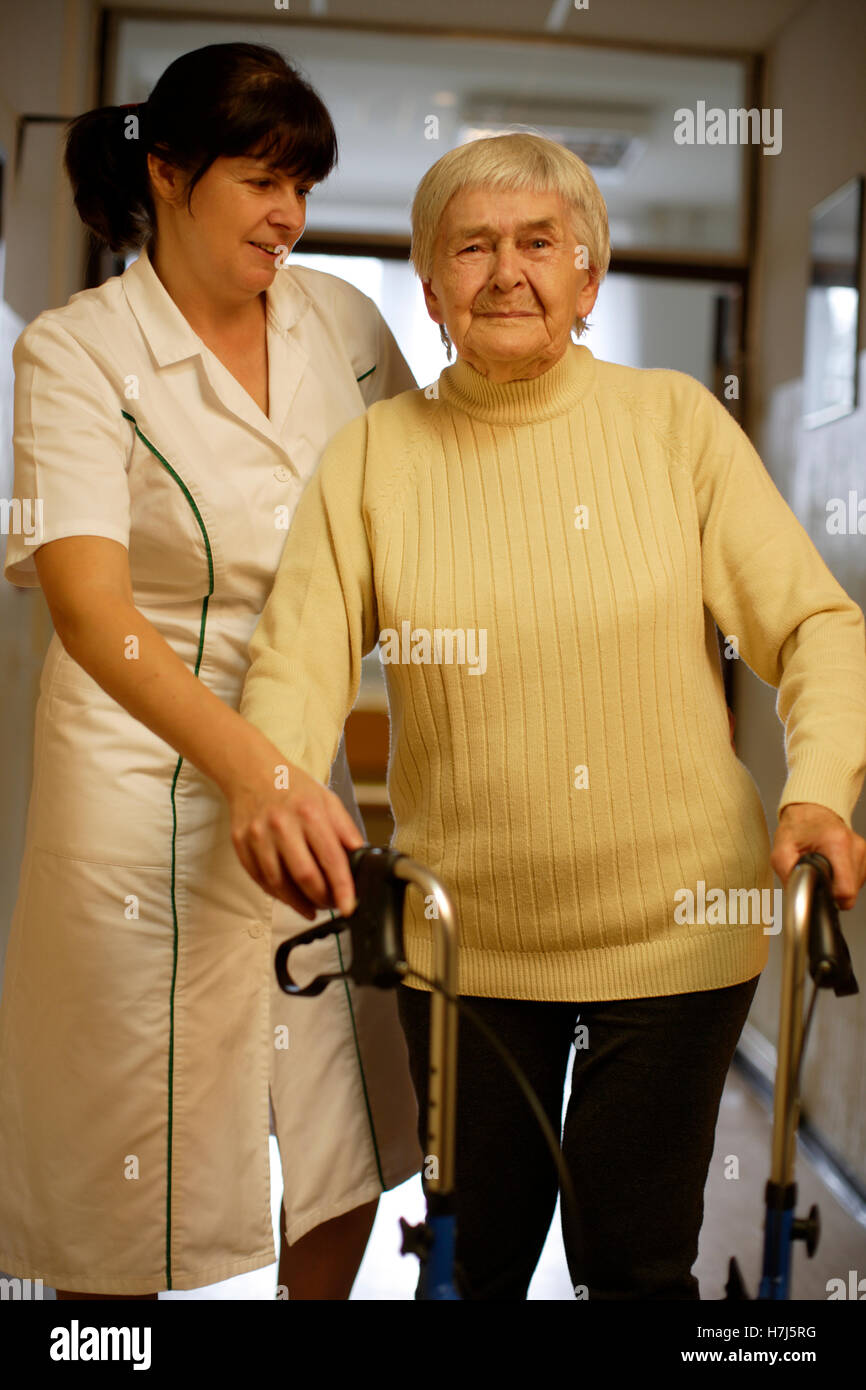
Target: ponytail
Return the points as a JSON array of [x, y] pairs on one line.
[[106, 160]]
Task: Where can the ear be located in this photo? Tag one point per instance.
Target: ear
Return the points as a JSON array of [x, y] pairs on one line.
[[432, 302], [166, 180], [586, 298]]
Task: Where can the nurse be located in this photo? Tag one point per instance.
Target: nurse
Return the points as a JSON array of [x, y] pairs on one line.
[[165, 426]]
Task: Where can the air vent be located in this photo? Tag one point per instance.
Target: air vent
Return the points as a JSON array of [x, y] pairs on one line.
[[610, 139]]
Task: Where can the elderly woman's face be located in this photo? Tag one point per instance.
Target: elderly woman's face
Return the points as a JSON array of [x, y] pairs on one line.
[[507, 280]]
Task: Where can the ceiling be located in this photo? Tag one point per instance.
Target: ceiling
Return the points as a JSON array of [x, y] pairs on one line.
[[714, 25]]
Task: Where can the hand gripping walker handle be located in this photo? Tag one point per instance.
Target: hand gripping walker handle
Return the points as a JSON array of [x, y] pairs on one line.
[[375, 928]]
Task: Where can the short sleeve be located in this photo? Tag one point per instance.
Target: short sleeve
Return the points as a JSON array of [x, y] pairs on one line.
[[391, 373], [380, 368], [69, 451]]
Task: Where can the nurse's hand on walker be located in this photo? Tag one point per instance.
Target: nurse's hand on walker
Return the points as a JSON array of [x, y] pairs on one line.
[[294, 840]]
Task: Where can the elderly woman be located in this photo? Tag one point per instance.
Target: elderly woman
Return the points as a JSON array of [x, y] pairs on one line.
[[541, 544]]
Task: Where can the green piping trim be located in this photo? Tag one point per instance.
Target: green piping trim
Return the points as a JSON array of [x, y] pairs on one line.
[[366, 374], [189, 497], [360, 1063]]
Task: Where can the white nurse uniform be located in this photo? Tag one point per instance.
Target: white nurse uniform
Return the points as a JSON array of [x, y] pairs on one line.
[[141, 1028]]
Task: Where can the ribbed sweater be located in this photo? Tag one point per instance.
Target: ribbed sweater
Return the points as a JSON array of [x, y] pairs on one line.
[[593, 523]]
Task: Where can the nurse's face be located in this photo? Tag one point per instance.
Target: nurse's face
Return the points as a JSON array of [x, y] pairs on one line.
[[242, 217]]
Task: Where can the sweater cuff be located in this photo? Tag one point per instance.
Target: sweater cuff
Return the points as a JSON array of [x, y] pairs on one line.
[[824, 780]]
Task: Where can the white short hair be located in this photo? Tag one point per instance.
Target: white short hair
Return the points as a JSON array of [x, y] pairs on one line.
[[513, 162]]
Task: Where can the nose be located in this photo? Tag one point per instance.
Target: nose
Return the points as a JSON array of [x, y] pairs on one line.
[[507, 270], [291, 212]]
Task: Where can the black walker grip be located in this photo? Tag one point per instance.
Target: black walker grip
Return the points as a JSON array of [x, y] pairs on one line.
[[829, 957], [375, 928], [281, 961]]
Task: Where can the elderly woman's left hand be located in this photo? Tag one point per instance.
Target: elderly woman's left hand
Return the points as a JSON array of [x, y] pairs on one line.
[[803, 826]]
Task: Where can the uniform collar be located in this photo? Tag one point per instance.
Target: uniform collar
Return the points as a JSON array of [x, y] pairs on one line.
[[170, 336], [171, 339]]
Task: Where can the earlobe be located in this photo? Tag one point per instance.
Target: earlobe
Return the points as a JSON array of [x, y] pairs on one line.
[[432, 302]]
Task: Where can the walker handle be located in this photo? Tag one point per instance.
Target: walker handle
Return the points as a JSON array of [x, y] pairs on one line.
[[281, 960], [375, 927], [829, 957]]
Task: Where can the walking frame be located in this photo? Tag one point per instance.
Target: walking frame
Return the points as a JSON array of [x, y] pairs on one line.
[[811, 932]]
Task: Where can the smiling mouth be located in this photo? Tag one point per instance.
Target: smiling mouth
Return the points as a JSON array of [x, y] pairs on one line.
[[269, 248]]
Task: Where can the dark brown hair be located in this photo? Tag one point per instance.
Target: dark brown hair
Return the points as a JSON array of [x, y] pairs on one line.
[[226, 99]]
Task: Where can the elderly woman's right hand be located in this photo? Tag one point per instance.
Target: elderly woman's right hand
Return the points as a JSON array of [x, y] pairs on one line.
[[294, 840]]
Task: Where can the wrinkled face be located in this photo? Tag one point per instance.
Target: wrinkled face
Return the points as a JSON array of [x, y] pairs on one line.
[[508, 278], [238, 203]]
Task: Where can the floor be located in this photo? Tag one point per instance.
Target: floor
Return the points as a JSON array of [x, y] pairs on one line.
[[733, 1224]]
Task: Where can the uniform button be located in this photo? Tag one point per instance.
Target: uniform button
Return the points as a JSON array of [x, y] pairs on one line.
[[255, 929], [283, 475]]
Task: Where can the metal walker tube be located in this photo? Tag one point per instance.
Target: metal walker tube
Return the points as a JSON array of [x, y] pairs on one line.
[[796, 917], [441, 1107]]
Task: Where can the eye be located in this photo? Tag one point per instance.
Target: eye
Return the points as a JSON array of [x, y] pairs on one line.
[[473, 247], [540, 241], [271, 183]]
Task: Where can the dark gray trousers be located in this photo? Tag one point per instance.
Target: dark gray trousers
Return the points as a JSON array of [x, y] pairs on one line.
[[637, 1140]]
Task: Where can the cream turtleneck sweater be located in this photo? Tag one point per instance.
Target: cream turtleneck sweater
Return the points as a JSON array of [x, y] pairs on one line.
[[568, 774]]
